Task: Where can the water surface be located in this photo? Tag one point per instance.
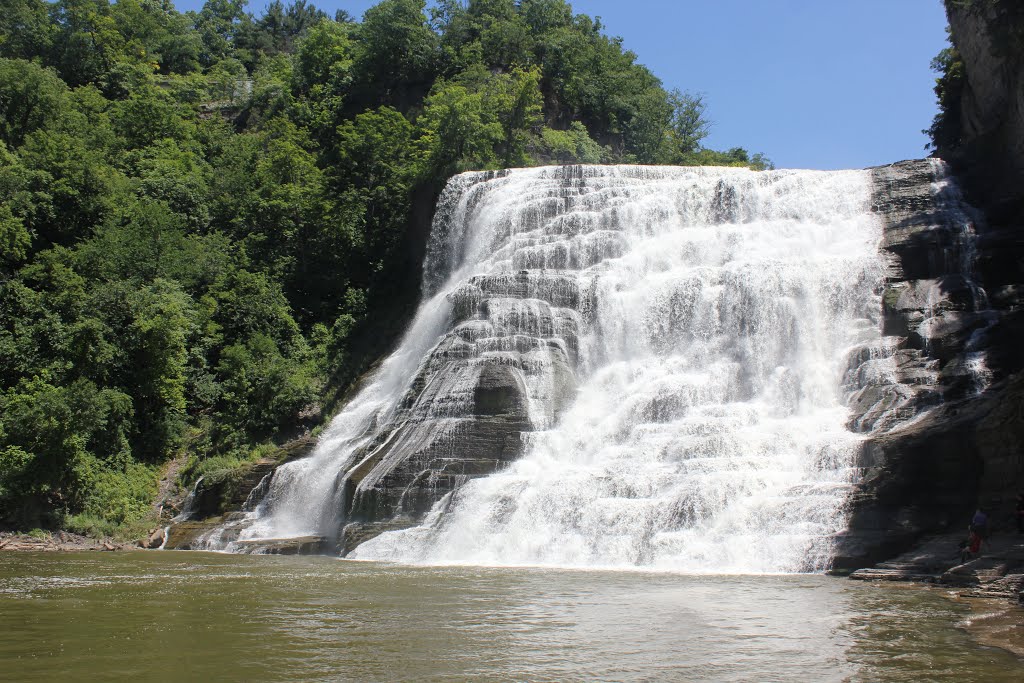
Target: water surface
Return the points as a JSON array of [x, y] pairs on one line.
[[199, 616]]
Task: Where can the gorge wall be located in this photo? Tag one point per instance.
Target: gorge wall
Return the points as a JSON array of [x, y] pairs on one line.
[[951, 309], [968, 448], [989, 35]]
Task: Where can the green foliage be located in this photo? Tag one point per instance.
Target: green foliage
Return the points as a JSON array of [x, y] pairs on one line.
[[573, 146], [737, 156], [324, 57], [687, 125], [25, 29], [395, 55], [946, 129], [376, 170], [456, 131], [205, 217], [516, 101], [147, 118], [31, 97]]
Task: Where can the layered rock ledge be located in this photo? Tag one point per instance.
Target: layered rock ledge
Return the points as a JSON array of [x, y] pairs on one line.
[[954, 333]]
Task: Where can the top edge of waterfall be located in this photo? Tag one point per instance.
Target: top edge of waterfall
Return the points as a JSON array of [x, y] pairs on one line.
[[646, 170]]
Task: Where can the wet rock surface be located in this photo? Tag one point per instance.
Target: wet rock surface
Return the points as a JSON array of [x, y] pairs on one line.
[[952, 372], [224, 498], [467, 413], [997, 571], [299, 545]]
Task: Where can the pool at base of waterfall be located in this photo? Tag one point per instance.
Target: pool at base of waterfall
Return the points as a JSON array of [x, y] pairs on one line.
[[203, 616]]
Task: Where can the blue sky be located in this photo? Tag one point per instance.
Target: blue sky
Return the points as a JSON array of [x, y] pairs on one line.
[[810, 83]]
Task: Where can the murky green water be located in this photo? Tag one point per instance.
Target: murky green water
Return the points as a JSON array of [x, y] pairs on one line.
[[194, 616]]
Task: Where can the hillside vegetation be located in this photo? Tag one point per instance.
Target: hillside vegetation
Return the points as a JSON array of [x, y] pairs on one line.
[[205, 217]]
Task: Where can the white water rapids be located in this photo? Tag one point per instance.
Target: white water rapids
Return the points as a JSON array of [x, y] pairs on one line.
[[707, 431]]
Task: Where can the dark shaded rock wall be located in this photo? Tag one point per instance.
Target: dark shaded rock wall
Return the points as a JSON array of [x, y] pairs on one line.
[[991, 156], [955, 336]]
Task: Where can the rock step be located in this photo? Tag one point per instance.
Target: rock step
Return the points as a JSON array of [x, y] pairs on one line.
[[878, 574], [1010, 586], [298, 545]]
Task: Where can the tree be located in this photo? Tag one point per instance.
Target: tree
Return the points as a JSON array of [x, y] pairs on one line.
[[688, 125], [162, 325], [25, 29], [376, 171], [324, 58], [157, 36], [322, 77], [279, 27], [47, 434], [395, 59], [646, 123], [263, 389], [147, 118], [571, 146], [173, 171], [491, 31], [455, 131], [515, 101], [87, 42], [14, 238], [31, 98], [945, 131], [68, 188], [218, 23]]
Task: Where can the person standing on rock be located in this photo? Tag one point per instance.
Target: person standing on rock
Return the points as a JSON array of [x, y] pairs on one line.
[[979, 524]]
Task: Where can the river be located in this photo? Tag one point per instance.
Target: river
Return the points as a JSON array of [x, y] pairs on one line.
[[163, 616]]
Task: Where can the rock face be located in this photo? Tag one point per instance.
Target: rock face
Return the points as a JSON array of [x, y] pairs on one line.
[[467, 413], [950, 371], [214, 501], [997, 571], [991, 157]]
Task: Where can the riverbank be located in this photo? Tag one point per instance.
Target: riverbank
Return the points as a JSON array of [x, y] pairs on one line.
[[996, 572], [60, 541]]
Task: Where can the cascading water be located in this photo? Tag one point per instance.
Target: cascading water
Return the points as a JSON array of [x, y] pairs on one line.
[[678, 337]]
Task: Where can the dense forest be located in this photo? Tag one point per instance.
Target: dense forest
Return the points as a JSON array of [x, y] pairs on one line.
[[205, 217]]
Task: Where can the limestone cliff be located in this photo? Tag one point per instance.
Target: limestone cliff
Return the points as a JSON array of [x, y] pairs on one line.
[[989, 35], [955, 331]]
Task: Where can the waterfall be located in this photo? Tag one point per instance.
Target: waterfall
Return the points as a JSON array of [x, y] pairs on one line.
[[612, 366]]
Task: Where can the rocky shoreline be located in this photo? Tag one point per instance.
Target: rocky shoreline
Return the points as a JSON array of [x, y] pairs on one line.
[[60, 541], [991, 584]]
